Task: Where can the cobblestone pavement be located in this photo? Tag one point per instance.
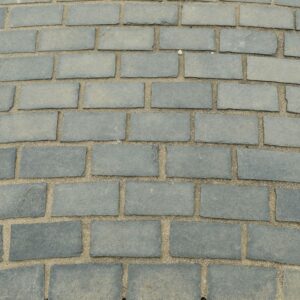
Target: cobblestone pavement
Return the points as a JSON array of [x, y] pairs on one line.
[[149, 150]]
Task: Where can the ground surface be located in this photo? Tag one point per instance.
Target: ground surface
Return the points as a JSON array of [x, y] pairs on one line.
[[149, 150]]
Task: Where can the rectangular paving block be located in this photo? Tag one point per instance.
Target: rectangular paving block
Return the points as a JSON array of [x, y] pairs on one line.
[[159, 198], [234, 202], [241, 282], [251, 1], [205, 240], [159, 126], [181, 95], [266, 16], [208, 14], [1, 244], [2, 16], [287, 205], [291, 287], [23, 200], [36, 15], [248, 41], [7, 163], [230, 129], [17, 41], [206, 65], [273, 69], [295, 3], [95, 126], [26, 68], [282, 131], [28, 126], [66, 39], [268, 165], [60, 239], [187, 38], [297, 19], [149, 65], [7, 95], [167, 281], [277, 244], [247, 96], [126, 238], [292, 97], [88, 65], [86, 199], [93, 14], [85, 281], [53, 161], [22, 283], [198, 162], [22, 1], [48, 95], [291, 44], [125, 160], [126, 38], [114, 95], [151, 13]]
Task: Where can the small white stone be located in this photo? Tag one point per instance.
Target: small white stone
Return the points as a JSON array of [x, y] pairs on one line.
[[180, 52]]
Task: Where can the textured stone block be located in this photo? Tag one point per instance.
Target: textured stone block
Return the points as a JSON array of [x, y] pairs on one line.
[[17, 41], [287, 205], [159, 198], [7, 95], [205, 240], [141, 160], [2, 17], [45, 240], [291, 44], [95, 126], [293, 99], [152, 282], [38, 162], [7, 163], [198, 162], [85, 281], [126, 238], [22, 200], [86, 199], [291, 287]]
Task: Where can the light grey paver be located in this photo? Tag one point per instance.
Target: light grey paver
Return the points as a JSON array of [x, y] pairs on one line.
[[126, 38], [234, 202], [114, 95], [149, 65], [293, 99], [125, 238], [17, 41], [87, 65], [66, 39], [7, 163], [1, 244], [278, 244], [203, 65], [187, 38], [141, 160], [28, 126], [159, 126], [151, 13], [84, 199], [95, 126], [7, 94], [85, 281], [198, 162], [288, 2], [292, 44], [231, 129], [291, 287], [159, 198], [36, 15], [152, 282], [26, 68], [22, 200], [45, 240], [208, 14], [49, 95], [241, 282], [287, 205], [268, 165], [2, 16], [205, 240], [248, 41], [93, 14], [53, 161], [248, 96], [266, 16], [22, 283]]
